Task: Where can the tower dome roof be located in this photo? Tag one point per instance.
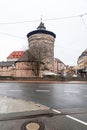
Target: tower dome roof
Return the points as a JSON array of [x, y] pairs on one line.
[[41, 29]]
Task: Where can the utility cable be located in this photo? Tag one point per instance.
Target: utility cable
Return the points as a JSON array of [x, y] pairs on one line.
[[11, 35], [68, 17], [83, 21]]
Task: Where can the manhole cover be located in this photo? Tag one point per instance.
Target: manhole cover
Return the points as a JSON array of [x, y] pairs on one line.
[[33, 125]]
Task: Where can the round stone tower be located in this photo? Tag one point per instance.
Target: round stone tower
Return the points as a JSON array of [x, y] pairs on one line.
[[45, 39]]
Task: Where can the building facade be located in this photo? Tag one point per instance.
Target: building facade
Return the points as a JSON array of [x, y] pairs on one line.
[[82, 64], [59, 66]]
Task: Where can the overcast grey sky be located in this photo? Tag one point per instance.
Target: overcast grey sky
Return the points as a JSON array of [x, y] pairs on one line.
[[18, 17]]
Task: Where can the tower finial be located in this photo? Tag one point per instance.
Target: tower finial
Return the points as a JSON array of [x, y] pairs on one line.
[[41, 17], [41, 26]]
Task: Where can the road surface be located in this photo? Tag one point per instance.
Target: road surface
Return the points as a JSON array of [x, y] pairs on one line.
[[69, 100]]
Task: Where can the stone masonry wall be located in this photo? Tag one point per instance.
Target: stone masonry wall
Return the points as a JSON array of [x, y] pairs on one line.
[[47, 42]]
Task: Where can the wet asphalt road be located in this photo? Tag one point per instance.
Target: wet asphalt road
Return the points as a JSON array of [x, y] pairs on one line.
[[70, 99], [58, 96]]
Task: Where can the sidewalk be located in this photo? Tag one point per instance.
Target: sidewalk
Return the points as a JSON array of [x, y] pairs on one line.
[[9, 105]]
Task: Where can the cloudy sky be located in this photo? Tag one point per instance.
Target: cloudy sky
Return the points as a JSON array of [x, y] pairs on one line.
[[66, 18]]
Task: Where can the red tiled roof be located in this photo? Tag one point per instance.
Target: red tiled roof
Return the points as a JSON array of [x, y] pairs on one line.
[[15, 54]]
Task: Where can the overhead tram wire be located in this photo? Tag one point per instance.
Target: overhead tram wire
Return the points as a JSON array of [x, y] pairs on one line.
[[11, 35], [81, 16], [68, 17], [60, 18], [19, 22]]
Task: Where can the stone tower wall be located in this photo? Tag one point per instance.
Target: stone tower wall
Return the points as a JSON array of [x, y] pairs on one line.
[[46, 40]]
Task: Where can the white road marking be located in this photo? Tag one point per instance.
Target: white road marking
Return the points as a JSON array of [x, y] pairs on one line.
[[75, 119], [56, 111], [68, 91], [15, 90], [42, 90]]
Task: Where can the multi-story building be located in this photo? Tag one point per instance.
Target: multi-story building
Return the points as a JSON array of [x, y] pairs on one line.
[[59, 66], [82, 63]]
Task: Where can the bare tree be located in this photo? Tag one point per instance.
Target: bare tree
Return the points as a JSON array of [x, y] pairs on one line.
[[40, 54]]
